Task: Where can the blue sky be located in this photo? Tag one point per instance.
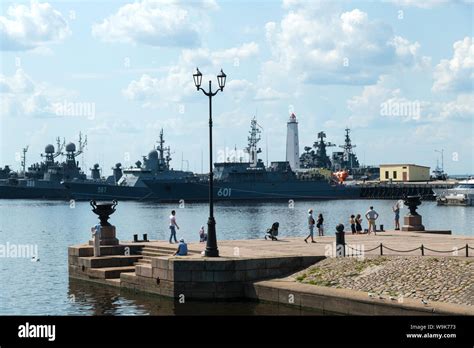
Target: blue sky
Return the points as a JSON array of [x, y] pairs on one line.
[[335, 64]]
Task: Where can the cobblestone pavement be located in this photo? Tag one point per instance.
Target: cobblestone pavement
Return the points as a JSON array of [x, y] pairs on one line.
[[444, 279]]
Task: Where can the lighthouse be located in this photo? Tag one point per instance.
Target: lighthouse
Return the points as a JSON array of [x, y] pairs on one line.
[[292, 143]]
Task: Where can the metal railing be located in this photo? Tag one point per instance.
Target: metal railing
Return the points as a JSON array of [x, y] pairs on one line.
[[381, 247]]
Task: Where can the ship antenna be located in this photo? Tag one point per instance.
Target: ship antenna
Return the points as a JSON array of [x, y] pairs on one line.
[[23, 158], [253, 140]]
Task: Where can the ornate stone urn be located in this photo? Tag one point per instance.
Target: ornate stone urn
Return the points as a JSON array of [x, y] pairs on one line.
[[412, 221], [107, 231], [104, 210]]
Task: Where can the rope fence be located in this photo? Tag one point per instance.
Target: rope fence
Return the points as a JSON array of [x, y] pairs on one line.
[[381, 247]]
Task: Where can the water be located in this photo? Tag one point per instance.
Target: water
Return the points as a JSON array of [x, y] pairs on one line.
[[43, 288]]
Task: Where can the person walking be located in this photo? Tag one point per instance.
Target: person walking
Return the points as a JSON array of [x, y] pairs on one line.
[[352, 221], [372, 217], [310, 226], [320, 226], [358, 221], [396, 210], [173, 227]]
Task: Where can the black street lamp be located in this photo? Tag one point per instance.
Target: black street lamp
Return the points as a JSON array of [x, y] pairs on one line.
[[211, 246]]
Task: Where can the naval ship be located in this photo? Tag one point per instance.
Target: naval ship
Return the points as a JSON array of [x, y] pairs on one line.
[[128, 184], [43, 180], [251, 180]]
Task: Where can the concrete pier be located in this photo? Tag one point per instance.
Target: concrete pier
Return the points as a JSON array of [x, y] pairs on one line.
[[245, 266]]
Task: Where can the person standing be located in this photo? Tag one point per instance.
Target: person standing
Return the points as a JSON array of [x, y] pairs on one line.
[[372, 216], [352, 221], [173, 226], [320, 226], [396, 210], [310, 226], [358, 221]]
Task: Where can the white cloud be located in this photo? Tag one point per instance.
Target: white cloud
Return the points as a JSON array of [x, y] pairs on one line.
[[425, 4], [27, 27], [269, 94], [457, 73], [168, 23], [177, 84], [320, 47], [384, 102], [240, 90], [460, 108], [113, 127], [20, 95]]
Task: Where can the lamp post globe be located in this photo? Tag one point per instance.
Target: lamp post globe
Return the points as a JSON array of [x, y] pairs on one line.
[[197, 78], [221, 80]]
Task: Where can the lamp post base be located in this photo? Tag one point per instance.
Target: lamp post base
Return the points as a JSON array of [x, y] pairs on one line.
[[211, 247]]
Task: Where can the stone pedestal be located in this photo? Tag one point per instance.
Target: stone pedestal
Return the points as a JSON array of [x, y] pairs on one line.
[[412, 223], [107, 236]]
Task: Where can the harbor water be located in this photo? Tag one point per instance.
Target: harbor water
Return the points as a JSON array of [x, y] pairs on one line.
[[43, 288]]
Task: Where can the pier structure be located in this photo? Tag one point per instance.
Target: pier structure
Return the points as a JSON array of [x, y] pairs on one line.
[[256, 269]]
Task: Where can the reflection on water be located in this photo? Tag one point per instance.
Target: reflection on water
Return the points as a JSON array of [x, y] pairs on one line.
[[93, 299], [42, 288]]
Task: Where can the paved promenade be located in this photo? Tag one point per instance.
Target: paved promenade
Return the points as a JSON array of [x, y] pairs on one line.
[[296, 246]]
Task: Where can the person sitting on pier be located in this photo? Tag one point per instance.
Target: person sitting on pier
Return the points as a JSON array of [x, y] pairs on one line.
[[182, 248], [272, 232], [202, 235]]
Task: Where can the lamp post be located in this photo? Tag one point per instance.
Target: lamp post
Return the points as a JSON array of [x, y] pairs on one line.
[[211, 246]]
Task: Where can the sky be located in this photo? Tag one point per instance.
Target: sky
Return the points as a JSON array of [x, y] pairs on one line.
[[398, 73]]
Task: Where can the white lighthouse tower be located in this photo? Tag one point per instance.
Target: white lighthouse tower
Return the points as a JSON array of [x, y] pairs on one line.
[[292, 143]]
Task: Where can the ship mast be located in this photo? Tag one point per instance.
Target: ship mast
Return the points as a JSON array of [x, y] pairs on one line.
[[253, 139], [322, 159], [23, 158], [348, 155], [160, 148], [82, 144]]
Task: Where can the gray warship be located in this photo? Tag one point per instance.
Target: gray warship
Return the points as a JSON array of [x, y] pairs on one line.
[[43, 180], [128, 184], [252, 180]]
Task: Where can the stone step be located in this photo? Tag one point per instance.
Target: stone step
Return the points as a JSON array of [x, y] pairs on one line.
[[158, 248], [109, 261], [143, 262], [85, 250], [109, 272], [155, 253], [113, 281], [144, 270]]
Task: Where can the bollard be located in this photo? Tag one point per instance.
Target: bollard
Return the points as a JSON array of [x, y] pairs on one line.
[[340, 240], [381, 228], [145, 237], [467, 250], [135, 238], [422, 250], [381, 249]]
